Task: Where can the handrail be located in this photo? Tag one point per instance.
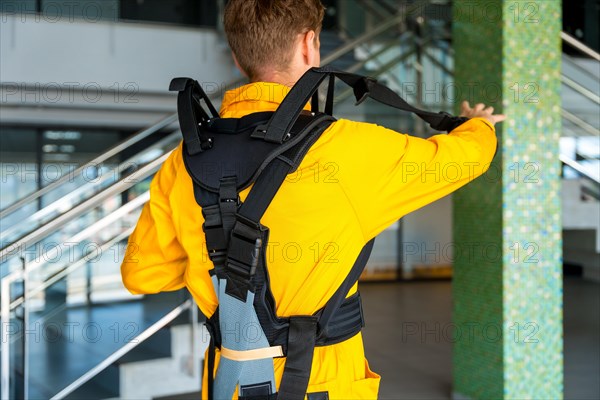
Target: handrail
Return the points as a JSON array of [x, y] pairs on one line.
[[579, 46], [94, 228], [580, 89], [67, 270], [161, 323], [369, 7], [67, 198], [391, 43], [127, 182], [438, 63], [163, 123], [396, 19], [579, 122], [135, 138], [580, 169], [577, 66]]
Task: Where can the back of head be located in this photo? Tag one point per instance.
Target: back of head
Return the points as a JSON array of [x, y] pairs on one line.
[[262, 33]]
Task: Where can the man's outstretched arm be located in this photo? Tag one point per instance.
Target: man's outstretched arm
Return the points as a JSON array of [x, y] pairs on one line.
[[387, 175]]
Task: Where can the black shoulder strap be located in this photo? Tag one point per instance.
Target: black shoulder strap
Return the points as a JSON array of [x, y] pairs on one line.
[[294, 102], [280, 124]]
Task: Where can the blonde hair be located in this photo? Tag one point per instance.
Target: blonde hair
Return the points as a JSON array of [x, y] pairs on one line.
[[261, 33]]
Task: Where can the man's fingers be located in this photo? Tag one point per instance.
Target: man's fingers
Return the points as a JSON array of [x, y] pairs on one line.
[[479, 110], [465, 107]]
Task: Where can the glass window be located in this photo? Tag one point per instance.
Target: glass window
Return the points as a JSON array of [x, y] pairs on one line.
[[88, 10], [18, 6], [32, 158], [184, 12]]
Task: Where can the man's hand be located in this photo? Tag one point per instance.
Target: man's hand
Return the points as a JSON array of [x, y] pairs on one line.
[[480, 111]]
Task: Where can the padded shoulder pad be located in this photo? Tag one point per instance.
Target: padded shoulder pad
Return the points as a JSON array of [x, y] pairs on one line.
[[237, 153]]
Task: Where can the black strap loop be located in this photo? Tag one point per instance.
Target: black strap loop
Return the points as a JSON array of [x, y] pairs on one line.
[[330, 93], [301, 344], [211, 367], [228, 202]]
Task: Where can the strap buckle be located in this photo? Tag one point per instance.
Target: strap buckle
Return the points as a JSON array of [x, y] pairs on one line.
[[245, 246]]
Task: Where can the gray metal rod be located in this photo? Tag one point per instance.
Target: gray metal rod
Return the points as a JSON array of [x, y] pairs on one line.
[[580, 89], [579, 46], [579, 168], [75, 265], [579, 122], [4, 326]]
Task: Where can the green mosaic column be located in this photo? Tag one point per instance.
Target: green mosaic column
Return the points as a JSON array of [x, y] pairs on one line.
[[507, 286]]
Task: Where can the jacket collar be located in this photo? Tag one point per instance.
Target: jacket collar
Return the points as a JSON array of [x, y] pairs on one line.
[[253, 97]]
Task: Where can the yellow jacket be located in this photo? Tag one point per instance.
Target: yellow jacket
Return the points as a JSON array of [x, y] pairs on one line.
[[356, 180]]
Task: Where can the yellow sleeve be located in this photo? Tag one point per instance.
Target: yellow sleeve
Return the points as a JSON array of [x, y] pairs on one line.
[[155, 260], [386, 175]]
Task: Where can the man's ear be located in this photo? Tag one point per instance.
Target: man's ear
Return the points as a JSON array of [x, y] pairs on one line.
[[310, 49], [237, 64]]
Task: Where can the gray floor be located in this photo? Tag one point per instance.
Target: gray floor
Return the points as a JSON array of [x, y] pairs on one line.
[[413, 368]]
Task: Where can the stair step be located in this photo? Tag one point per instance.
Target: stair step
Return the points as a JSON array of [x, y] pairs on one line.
[[103, 386], [156, 346]]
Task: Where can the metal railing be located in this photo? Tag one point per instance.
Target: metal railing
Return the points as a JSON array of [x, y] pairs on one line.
[[115, 150], [88, 189]]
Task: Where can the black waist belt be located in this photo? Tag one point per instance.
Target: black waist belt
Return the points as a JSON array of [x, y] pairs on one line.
[[344, 324]]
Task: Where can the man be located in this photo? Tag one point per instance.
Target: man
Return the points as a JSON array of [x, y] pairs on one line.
[[356, 180]]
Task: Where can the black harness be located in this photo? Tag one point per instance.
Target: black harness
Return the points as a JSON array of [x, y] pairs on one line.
[[226, 155]]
